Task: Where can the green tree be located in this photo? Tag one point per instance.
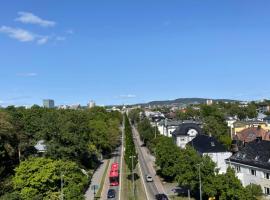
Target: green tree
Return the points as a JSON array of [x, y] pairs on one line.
[[167, 157], [130, 150], [41, 178]]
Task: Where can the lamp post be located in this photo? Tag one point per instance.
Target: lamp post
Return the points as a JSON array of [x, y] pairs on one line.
[[199, 168], [62, 184], [132, 157]]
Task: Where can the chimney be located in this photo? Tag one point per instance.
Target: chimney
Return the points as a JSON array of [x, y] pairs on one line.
[[258, 139]]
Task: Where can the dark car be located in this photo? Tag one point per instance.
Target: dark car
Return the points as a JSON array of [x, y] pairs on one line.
[[161, 197], [111, 193]]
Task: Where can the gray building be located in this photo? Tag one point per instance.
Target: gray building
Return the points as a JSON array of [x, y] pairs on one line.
[[48, 103]]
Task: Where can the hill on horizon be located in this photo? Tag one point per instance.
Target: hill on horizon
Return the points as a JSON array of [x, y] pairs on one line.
[[185, 101]]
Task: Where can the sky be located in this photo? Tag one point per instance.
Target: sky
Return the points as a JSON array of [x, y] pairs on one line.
[[125, 52]]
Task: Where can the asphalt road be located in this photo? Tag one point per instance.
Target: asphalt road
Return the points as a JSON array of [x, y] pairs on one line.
[[151, 187], [116, 157]]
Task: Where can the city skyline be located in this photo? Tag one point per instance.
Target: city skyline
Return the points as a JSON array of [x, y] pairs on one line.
[[133, 52]]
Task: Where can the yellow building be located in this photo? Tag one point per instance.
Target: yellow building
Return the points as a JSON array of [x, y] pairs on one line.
[[239, 125]]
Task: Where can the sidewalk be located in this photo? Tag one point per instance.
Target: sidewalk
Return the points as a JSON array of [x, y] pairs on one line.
[[96, 179]]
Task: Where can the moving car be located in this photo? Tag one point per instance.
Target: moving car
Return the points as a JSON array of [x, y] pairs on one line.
[[161, 197], [148, 178], [111, 193]]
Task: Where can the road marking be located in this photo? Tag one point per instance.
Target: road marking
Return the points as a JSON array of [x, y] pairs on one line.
[[143, 181]]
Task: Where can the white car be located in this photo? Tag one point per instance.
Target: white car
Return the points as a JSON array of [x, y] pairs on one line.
[[148, 178]]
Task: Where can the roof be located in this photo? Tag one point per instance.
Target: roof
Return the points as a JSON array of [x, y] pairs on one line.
[[206, 144], [255, 153], [250, 134], [113, 174], [170, 122], [183, 129]]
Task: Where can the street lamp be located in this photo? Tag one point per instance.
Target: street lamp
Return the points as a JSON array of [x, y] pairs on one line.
[[199, 168], [62, 184], [132, 157]]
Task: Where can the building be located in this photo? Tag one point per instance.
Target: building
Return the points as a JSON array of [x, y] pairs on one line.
[[184, 133], [250, 134], [209, 102], [40, 147], [252, 164], [91, 104], [48, 103], [166, 126], [238, 126], [207, 145]]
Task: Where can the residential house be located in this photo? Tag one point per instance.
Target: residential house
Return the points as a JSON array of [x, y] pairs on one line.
[[207, 145], [166, 126], [252, 164], [238, 126], [184, 133], [250, 134]]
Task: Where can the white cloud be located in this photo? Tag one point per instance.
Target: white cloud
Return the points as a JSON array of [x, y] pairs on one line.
[[23, 35], [18, 34], [127, 96], [60, 38], [28, 74], [70, 31], [42, 40], [30, 18]]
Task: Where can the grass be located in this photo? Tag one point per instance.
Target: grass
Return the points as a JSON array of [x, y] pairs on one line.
[[127, 187], [103, 180]]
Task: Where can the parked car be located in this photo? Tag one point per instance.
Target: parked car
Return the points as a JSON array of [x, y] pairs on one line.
[[111, 193], [161, 197], [148, 178]]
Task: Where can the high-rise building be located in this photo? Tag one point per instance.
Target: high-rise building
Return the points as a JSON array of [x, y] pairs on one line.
[[209, 102], [91, 104], [48, 103]]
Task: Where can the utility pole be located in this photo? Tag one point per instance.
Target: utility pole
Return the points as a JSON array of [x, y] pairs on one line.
[[132, 175], [200, 180], [62, 184]]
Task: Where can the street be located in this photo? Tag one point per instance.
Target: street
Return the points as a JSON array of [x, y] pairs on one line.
[[116, 157], [146, 163]]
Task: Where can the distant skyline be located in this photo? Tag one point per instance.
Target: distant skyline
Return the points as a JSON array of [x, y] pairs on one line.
[[127, 52]]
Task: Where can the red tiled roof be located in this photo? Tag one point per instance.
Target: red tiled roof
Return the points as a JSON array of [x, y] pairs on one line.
[[250, 134]]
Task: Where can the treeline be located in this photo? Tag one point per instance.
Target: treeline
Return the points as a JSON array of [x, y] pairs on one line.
[[77, 138], [130, 150], [183, 165]]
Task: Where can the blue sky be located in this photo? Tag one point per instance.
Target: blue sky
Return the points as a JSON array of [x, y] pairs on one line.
[[118, 52]]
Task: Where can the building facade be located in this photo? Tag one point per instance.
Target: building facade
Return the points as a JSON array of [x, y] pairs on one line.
[[48, 103], [207, 145], [252, 164]]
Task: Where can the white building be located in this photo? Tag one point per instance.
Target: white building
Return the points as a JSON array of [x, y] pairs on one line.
[[166, 127], [185, 133], [209, 102], [252, 164], [207, 145], [91, 104]]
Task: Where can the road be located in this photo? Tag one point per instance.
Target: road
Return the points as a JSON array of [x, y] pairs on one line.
[[116, 157], [146, 163]]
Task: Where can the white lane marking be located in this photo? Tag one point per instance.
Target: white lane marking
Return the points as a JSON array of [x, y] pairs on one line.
[[147, 195]]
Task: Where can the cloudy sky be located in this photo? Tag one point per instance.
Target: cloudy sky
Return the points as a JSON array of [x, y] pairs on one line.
[[118, 52]]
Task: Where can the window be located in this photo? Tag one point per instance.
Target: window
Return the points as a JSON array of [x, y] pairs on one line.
[[267, 190], [253, 172], [237, 168], [266, 175]]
